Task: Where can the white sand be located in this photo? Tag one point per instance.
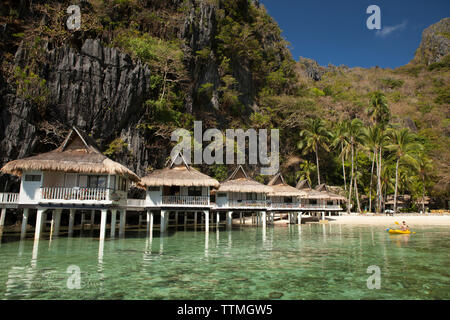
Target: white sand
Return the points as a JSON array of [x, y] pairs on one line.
[[411, 220], [389, 220]]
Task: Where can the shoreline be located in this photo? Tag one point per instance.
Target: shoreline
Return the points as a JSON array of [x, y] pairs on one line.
[[411, 220]]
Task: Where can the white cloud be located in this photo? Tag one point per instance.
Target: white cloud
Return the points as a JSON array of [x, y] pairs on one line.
[[385, 31]]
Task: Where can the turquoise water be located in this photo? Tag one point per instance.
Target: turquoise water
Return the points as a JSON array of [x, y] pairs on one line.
[[294, 262]]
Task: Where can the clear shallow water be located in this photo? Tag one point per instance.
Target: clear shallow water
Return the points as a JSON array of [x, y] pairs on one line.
[[306, 262]]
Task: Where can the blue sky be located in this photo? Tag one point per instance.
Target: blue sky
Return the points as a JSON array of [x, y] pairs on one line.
[[334, 31]]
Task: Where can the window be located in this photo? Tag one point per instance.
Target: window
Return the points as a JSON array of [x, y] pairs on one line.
[[97, 181], [122, 184], [221, 195], [112, 182], [33, 177], [194, 191], [153, 189]]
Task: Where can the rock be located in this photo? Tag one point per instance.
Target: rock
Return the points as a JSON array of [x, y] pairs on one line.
[[312, 69], [435, 43]]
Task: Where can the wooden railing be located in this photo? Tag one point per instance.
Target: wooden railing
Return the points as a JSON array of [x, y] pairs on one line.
[[9, 197], [285, 205], [80, 194], [185, 200], [247, 203], [321, 206]]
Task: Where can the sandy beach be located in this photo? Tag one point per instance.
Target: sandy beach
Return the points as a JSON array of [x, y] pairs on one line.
[[411, 220]]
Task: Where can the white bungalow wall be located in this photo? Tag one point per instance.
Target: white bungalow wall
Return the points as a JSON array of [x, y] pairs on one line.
[[30, 190], [154, 196]]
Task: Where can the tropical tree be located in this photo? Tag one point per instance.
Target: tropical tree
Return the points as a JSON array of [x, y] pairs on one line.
[[405, 148], [378, 109], [340, 140], [355, 136], [315, 135], [306, 169], [423, 165]]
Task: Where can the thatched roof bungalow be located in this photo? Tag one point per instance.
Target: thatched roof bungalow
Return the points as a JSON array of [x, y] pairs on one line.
[[239, 190], [178, 184], [76, 163]]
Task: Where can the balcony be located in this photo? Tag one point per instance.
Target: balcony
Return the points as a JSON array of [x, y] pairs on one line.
[[321, 206], [246, 203], [285, 205], [185, 200], [9, 198], [51, 194]]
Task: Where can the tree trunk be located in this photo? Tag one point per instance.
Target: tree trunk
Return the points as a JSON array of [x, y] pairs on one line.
[[343, 167], [317, 163], [351, 184], [423, 194], [379, 183], [396, 185], [371, 179], [356, 183]]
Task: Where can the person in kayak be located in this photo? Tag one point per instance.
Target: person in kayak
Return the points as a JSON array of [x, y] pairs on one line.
[[404, 226]]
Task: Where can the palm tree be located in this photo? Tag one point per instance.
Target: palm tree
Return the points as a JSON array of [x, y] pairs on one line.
[[424, 165], [340, 139], [315, 135], [306, 169], [355, 136], [378, 109], [405, 147]]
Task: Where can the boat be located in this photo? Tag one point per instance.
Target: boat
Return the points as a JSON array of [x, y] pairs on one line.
[[395, 231]]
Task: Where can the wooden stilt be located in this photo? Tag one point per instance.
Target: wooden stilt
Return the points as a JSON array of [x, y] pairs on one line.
[[41, 216], [102, 223], [23, 232], [3, 217], [113, 223], [71, 221]]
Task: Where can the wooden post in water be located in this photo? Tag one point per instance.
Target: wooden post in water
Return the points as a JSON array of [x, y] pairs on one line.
[[102, 223], [163, 224], [195, 220], [229, 219], [122, 222], [185, 219], [71, 221], [113, 223], [23, 232], [206, 221], [149, 223], [176, 219], [217, 219], [56, 221], [3, 217], [41, 216]]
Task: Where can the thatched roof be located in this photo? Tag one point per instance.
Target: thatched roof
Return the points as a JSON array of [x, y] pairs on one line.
[[311, 193], [240, 182], [281, 189], [78, 153], [332, 195], [178, 175]]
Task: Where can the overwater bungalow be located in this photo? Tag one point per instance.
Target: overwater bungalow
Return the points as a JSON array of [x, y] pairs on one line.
[[319, 200], [178, 188], [240, 193], [75, 176], [285, 198]]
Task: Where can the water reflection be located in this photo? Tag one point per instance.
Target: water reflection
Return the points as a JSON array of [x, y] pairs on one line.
[[126, 267]]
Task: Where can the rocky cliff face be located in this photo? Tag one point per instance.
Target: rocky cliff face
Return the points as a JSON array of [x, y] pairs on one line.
[[435, 43], [101, 90]]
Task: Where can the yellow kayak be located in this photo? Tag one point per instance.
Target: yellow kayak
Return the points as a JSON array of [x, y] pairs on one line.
[[395, 231]]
